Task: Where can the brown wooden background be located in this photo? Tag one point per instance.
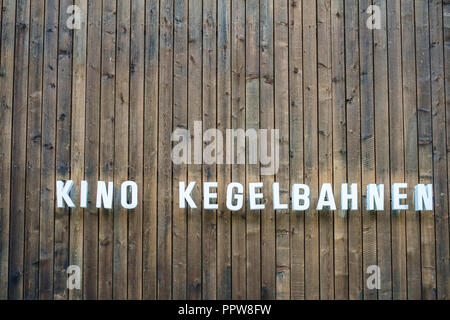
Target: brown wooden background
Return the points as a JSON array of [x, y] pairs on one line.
[[100, 103]]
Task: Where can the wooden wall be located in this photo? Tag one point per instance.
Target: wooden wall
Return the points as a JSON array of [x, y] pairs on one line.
[[100, 103]]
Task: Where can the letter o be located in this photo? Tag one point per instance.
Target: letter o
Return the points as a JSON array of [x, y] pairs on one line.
[[124, 197]]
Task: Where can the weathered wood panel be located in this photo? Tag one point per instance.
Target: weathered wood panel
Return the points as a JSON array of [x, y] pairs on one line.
[[252, 104], [6, 103], [94, 92], [136, 146], [78, 141], [92, 140], [223, 170], [367, 142], [180, 109], [121, 128], [425, 143], [410, 148], [354, 148], [310, 133], [194, 228], [150, 149], [238, 219], [106, 144], [18, 151], [266, 120]]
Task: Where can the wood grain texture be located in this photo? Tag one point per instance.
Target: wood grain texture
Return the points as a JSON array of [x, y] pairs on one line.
[[281, 96], [18, 151], [354, 147], [238, 222], [63, 149], [77, 160], [34, 140], [425, 143], [441, 207], [382, 158], [351, 104], [252, 104], [223, 170], [410, 148], [367, 141], [446, 40], [6, 102], [325, 137], [311, 161], [47, 204], [92, 141], [180, 109], [209, 120], [266, 120], [296, 150], [106, 160], [396, 141], [340, 154], [164, 186], [446, 25], [136, 147], [150, 246], [121, 129], [194, 217]]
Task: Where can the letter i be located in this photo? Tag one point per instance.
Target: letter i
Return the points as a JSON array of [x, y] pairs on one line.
[[83, 194]]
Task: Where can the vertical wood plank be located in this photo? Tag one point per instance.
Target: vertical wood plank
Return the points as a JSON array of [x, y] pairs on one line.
[[164, 261], [78, 141], [296, 108], [354, 151], [136, 147], [223, 170], [446, 14], [63, 137], [425, 137], [4, 167], [367, 138], [311, 161], [281, 65], [195, 170], [438, 111], [180, 115], [410, 148], [18, 154], [396, 143], [150, 149], [5, 162], [209, 102], [49, 100], [107, 124], [341, 258], [252, 170], [382, 169], [266, 120], [34, 140], [6, 103], [121, 120], [446, 23], [92, 145], [238, 232], [325, 134]]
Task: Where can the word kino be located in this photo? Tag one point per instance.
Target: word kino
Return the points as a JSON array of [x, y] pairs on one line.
[[300, 196]]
